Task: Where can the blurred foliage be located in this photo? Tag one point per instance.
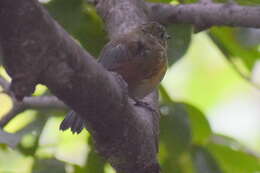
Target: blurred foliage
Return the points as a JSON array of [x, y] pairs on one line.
[[81, 21], [44, 165], [188, 143], [234, 160], [233, 47], [203, 161], [179, 42]]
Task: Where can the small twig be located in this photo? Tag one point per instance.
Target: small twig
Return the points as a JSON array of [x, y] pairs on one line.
[[242, 75], [38, 102], [16, 109], [4, 83], [43, 102]]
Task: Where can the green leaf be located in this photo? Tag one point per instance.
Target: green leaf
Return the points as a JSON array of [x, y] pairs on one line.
[[31, 135], [228, 42], [171, 166], [201, 130], [72, 148], [11, 161], [48, 165], [189, 1], [200, 127], [234, 160], [81, 21], [94, 162], [9, 139], [179, 42], [203, 161], [248, 37], [175, 131]]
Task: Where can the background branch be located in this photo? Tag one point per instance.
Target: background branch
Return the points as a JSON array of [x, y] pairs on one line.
[[209, 14], [37, 102], [4, 83]]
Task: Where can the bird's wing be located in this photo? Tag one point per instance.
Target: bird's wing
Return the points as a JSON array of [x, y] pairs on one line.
[[115, 55]]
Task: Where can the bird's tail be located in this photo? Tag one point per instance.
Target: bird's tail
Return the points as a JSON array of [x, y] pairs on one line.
[[72, 121]]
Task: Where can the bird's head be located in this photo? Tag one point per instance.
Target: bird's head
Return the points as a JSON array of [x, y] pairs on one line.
[[156, 30]]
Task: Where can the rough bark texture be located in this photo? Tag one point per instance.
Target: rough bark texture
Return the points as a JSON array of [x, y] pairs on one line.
[[121, 16], [37, 50], [208, 14]]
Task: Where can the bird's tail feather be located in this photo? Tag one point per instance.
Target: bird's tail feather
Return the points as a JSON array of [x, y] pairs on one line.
[[72, 121]]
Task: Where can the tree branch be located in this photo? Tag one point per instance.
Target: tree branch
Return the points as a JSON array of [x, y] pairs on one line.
[[209, 14], [4, 83], [121, 16], [40, 51], [37, 102]]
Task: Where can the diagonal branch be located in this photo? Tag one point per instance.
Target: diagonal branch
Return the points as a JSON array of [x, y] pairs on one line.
[[209, 14], [40, 51], [37, 102], [4, 83]]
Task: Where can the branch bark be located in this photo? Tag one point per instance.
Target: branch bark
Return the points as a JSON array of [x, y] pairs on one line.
[[36, 102], [37, 50], [41, 102], [4, 84], [207, 14]]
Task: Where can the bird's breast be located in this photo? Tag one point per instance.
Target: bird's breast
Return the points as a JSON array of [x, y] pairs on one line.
[[149, 79]]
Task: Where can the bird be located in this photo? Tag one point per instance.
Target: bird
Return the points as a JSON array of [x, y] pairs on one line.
[[140, 57]]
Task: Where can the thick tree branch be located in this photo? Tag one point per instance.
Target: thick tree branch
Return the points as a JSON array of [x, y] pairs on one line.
[[37, 50], [207, 14]]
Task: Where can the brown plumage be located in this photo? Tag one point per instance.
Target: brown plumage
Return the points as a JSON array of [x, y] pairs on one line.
[[139, 57]]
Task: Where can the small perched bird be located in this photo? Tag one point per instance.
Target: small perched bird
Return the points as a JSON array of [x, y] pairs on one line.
[[140, 57]]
